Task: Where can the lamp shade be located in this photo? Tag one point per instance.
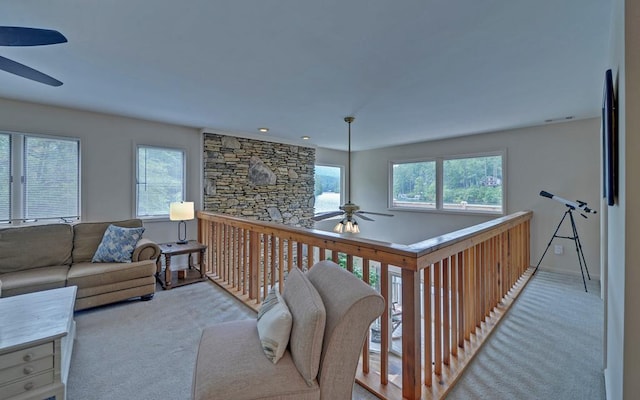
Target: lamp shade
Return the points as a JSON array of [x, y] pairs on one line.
[[181, 211]]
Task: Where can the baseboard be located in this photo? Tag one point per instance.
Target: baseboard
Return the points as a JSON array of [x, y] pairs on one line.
[[570, 272]]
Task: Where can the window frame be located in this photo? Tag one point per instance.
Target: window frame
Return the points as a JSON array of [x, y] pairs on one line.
[[439, 208], [17, 170], [342, 183], [159, 217]]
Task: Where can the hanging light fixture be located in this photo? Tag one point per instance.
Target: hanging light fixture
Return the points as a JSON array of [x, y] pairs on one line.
[[349, 210], [348, 224]]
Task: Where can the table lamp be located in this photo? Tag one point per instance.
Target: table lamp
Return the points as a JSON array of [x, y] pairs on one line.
[[181, 211]]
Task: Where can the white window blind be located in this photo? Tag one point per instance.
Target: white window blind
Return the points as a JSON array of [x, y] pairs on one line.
[[160, 180], [5, 177], [51, 177]]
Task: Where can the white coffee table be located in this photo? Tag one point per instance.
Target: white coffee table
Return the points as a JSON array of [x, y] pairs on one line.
[[36, 340]]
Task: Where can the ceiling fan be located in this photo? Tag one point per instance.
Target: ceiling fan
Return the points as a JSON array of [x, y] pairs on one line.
[[20, 36], [350, 210]]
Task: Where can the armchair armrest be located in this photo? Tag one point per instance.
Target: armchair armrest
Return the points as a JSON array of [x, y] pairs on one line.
[[145, 250]]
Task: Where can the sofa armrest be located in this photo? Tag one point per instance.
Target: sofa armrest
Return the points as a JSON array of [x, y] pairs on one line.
[[145, 250]]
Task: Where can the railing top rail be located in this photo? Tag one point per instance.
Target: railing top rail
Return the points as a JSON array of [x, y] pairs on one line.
[[403, 255], [495, 226]]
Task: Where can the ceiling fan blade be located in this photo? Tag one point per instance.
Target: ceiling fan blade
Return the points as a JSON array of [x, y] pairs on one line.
[[374, 213], [359, 215], [27, 72], [20, 36], [326, 215]]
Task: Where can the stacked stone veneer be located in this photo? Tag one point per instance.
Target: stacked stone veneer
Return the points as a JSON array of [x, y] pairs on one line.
[[259, 180]]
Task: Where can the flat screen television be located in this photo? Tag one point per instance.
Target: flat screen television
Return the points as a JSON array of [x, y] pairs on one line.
[[609, 140]]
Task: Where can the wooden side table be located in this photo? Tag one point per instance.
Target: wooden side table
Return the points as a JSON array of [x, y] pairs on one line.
[[193, 274]]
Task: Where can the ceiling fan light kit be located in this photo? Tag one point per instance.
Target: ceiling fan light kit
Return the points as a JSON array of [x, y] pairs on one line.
[[349, 210]]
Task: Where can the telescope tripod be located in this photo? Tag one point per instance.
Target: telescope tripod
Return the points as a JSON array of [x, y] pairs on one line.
[[576, 240]]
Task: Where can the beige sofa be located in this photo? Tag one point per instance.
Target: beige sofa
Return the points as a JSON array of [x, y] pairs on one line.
[[42, 257]]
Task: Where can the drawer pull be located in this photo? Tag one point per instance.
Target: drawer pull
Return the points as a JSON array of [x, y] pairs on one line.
[[28, 386], [28, 357], [28, 370]]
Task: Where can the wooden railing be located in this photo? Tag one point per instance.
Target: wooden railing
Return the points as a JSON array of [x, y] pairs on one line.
[[444, 295]]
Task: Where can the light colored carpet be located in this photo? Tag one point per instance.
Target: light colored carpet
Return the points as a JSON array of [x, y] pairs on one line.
[[549, 346]]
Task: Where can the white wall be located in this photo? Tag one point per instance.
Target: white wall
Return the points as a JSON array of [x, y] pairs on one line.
[[622, 319], [108, 157], [560, 158]]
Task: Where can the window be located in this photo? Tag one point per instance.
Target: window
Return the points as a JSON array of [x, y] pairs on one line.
[[328, 185], [160, 180], [5, 177], [472, 184], [414, 185], [39, 178]]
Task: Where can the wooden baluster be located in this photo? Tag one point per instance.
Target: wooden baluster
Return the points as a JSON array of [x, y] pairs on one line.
[[289, 254], [384, 324], [411, 338], [299, 257], [265, 265], [455, 313], [437, 317], [273, 262], [335, 256], [233, 254], [477, 292], [310, 251], [281, 264], [446, 316], [219, 250], [350, 263], [461, 300], [428, 327], [365, 348], [254, 266]]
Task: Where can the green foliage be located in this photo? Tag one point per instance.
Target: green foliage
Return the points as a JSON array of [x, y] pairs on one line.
[[357, 270], [415, 181], [475, 180]]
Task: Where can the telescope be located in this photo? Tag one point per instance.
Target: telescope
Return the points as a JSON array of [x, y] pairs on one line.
[[574, 205]]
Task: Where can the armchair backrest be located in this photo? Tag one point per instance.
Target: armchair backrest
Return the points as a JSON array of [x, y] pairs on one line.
[[351, 306]]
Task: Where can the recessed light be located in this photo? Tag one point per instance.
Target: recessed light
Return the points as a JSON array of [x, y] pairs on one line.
[[263, 130], [305, 137]]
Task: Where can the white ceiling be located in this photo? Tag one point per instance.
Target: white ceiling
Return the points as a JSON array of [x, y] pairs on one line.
[[409, 70]]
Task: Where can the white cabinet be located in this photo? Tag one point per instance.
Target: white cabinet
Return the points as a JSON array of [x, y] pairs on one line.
[[36, 340]]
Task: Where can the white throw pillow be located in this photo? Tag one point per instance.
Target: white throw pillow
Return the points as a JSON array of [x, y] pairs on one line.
[[274, 325]]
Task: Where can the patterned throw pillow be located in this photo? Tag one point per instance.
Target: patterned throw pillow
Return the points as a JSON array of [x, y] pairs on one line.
[[117, 244], [274, 325]]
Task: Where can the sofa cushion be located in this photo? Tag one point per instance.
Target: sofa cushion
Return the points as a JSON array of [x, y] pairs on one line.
[[36, 246], [231, 365], [307, 330], [88, 274], [117, 244], [34, 280], [88, 235], [274, 325]]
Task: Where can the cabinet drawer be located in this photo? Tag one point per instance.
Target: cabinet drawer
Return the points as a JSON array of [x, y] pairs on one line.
[[25, 385], [25, 370], [26, 355]]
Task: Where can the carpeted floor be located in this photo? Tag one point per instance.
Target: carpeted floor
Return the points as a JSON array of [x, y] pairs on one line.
[[549, 346]]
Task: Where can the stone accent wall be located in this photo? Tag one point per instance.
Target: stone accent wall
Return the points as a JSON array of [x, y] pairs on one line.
[[259, 180]]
